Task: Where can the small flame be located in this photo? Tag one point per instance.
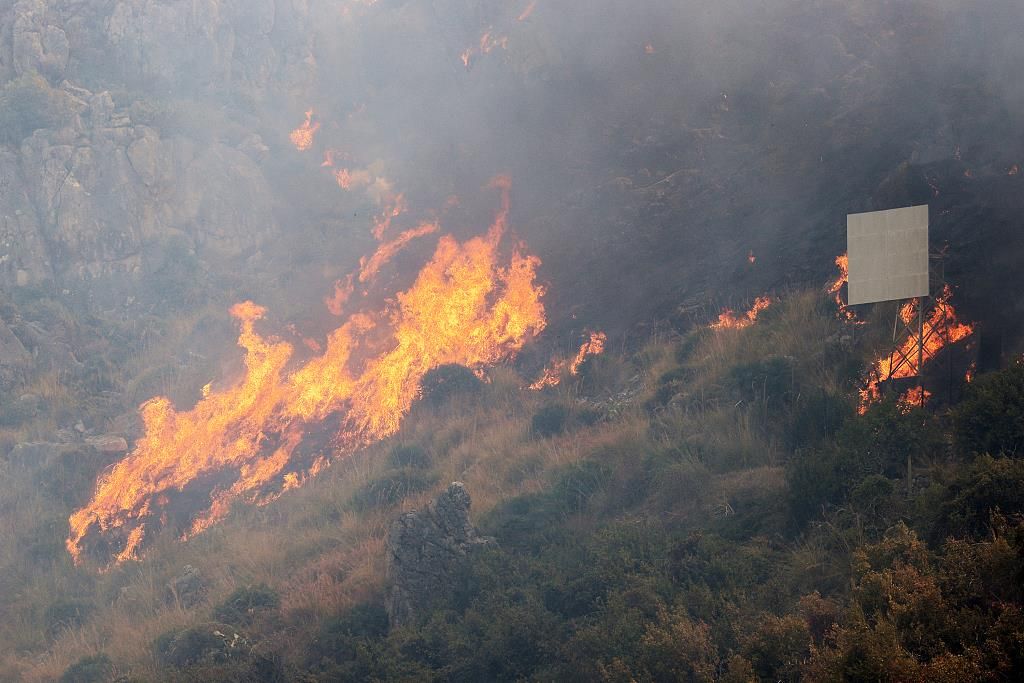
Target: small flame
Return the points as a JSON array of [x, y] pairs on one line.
[[649, 48], [594, 346], [1014, 170], [488, 43], [303, 136], [342, 291], [394, 206], [751, 259], [528, 11], [728, 320], [836, 286], [913, 398], [369, 267]]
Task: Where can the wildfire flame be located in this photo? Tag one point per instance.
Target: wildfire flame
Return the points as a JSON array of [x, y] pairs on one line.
[[594, 346], [370, 266], [468, 305], [940, 329], [751, 258], [303, 136], [528, 11], [488, 43], [728, 320], [913, 398], [835, 288]]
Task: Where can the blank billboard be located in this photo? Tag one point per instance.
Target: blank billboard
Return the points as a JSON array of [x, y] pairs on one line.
[[888, 252]]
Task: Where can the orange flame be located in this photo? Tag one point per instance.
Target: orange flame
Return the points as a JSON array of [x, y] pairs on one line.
[[302, 137], [940, 328], [552, 376], [394, 206], [836, 286], [729, 320], [751, 259], [1014, 170], [528, 11], [468, 305], [342, 291], [913, 398], [369, 267], [488, 43]]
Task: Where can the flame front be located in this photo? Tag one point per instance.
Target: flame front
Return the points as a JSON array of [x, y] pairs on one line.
[[468, 305], [728, 320]]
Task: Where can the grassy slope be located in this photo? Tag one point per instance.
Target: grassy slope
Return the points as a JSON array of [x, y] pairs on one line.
[[688, 460]]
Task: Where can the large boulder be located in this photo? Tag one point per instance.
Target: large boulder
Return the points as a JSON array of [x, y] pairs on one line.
[[426, 550]]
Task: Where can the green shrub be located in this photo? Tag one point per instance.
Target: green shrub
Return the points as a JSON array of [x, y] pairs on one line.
[[409, 455], [205, 644], [92, 669], [549, 420], [341, 638], [65, 614], [245, 604], [28, 103], [816, 417], [391, 488], [669, 385], [446, 381], [965, 505], [771, 380], [990, 419]]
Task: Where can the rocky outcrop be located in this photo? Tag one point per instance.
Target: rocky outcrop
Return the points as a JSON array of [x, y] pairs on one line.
[[426, 551], [38, 45]]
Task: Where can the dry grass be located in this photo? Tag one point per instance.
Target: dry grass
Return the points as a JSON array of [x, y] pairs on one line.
[[323, 554]]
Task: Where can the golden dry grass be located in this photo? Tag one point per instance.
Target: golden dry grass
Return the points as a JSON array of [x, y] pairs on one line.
[[323, 554]]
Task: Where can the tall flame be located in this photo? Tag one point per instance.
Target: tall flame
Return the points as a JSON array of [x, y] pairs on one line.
[[836, 286], [940, 329], [728, 320], [468, 305]]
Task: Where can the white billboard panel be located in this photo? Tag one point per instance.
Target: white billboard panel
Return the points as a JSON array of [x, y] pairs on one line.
[[888, 252]]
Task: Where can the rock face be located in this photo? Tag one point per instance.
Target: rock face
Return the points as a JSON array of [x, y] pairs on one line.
[[85, 198], [426, 550]]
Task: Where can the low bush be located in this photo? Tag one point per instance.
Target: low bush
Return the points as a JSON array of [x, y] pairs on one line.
[[409, 455], [447, 381], [391, 488], [92, 669], [244, 605], [64, 614], [29, 103], [549, 420]]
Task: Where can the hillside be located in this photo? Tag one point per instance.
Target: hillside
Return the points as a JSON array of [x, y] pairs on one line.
[[276, 274]]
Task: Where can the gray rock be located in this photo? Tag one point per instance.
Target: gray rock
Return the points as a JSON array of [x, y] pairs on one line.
[[108, 443], [426, 550]]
